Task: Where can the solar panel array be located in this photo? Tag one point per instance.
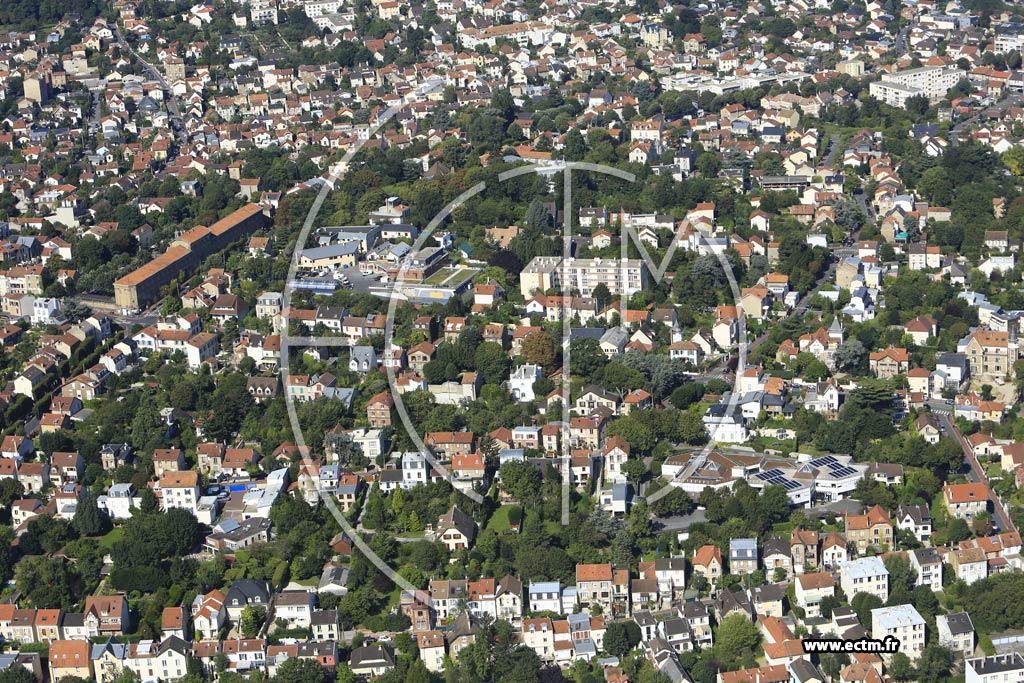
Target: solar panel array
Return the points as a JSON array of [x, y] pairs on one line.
[[831, 464], [835, 468], [776, 477], [825, 461]]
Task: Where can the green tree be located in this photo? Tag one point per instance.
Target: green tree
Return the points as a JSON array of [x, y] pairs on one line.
[[849, 355], [736, 635], [491, 362], [687, 394], [501, 100], [89, 520], [575, 146], [1013, 158], [935, 664], [10, 491], [233, 402], [634, 469], [602, 295], [639, 520], [709, 165], [48, 583], [523, 481], [917, 105], [936, 185], [621, 637], [901, 575], [148, 502], [148, 428], [295, 670], [375, 511], [251, 621], [957, 531], [637, 434], [586, 357], [537, 216], [17, 674], [675, 502], [827, 604], [863, 603], [901, 668], [539, 349]]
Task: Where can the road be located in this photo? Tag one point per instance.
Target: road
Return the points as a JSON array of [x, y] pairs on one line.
[[862, 202], [177, 125], [976, 473], [94, 100], [833, 149], [680, 523], [901, 41]]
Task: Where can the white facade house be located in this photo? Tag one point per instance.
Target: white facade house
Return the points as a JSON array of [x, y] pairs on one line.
[[956, 632], [180, 490], [520, 384], [902, 622], [120, 500], [369, 441], [414, 469], [46, 310], [865, 575], [928, 565], [1006, 668]]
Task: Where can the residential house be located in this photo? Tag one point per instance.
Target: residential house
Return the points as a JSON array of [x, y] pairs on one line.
[[917, 519], [956, 632], [456, 530], [902, 622], [927, 563], [811, 589], [707, 562], [742, 556], [873, 529], [890, 362], [865, 575], [964, 501], [803, 547]]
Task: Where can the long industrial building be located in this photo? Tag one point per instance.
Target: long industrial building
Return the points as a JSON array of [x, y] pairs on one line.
[[141, 287]]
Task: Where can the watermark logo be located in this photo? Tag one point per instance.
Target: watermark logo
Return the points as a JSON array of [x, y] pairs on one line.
[[889, 645], [626, 285]]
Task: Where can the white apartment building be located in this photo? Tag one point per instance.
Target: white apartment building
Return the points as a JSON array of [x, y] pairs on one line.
[[931, 81], [928, 565], [956, 631], [262, 12], [902, 622], [865, 575], [1008, 42], [620, 276], [319, 8]]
